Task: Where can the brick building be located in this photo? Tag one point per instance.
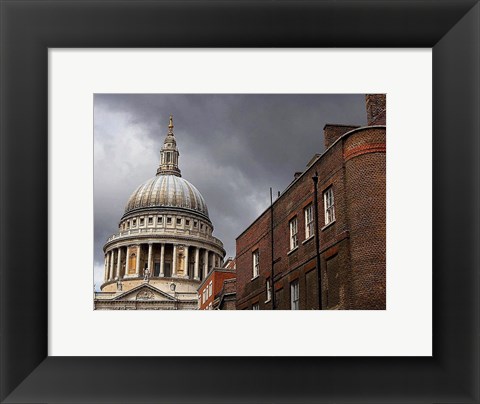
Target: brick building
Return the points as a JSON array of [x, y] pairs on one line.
[[217, 291], [227, 297], [351, 214]]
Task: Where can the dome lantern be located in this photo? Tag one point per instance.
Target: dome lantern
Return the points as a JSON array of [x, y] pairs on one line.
[[169, 154]]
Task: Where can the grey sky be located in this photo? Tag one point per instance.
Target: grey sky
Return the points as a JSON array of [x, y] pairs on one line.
[[233, 148]]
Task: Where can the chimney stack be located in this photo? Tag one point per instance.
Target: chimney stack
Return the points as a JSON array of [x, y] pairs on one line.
[[331, 132], [376, 105]]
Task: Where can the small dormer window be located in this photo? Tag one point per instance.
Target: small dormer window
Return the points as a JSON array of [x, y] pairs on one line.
[[169, 220], [187, 222], [150, 220], [134, 223], [142, 221], [179, 221]]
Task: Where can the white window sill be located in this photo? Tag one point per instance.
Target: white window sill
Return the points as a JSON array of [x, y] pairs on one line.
[[255, 277], [293, 250], [267, 301], [328, 225], [308, 239]]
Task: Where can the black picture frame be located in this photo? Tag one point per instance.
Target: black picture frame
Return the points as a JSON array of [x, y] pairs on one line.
[[29, 28]]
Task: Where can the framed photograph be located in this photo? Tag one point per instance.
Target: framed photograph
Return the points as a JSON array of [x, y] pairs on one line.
[[253, 119], [57, 60]]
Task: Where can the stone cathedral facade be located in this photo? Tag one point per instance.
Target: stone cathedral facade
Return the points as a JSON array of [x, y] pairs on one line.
[[164, 246]]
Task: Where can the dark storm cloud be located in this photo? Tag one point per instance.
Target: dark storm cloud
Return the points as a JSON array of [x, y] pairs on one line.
[[233, 148]]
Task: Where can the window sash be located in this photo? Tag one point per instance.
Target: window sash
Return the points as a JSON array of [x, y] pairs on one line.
[[293, 234], [256, 263], [309, 221], [329, 206], [268, 290], [294, 295]]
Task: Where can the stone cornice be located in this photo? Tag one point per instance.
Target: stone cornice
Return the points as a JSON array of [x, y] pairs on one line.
[[156, 238], [164, 210]]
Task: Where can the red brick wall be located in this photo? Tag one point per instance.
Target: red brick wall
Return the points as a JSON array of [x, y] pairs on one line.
[[301, 263], [217, 277], [331, 132], [365, 168]]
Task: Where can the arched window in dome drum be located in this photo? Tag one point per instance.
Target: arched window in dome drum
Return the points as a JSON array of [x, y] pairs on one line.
[[168, 269], [191, 266], [132, 263], [168, 157], [156, 268]]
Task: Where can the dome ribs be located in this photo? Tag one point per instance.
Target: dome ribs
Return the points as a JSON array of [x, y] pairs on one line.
[[165, 191]]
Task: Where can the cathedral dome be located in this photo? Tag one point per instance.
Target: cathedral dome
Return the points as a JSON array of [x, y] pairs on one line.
[[167, 191], [164, 240]]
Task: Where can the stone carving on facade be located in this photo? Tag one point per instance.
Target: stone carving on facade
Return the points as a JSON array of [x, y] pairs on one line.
[[145, 295]]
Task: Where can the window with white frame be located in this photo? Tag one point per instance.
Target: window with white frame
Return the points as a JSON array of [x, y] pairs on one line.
[[204, 295], [255, 306], [309, 221], [329, 206], [268, 289], [256, 263], [294, 295], [210, 289], [293, 234]]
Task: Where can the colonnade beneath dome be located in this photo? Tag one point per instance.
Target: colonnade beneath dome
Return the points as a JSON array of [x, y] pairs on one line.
[[162, 260]]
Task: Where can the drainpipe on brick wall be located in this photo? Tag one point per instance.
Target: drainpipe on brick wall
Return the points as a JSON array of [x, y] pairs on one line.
[[317, 239], [272, 283]]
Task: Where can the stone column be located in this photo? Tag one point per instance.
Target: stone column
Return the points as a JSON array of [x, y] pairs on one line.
[[105, 269], [110, 275], [205, 265], [149, 263], [108, 266], [162, 259], [197, 260], [174, 261], [126, 262], [119, 259], [186, 262], [137, 267]]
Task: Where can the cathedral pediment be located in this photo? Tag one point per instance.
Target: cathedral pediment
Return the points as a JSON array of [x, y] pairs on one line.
[[145, 293]]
